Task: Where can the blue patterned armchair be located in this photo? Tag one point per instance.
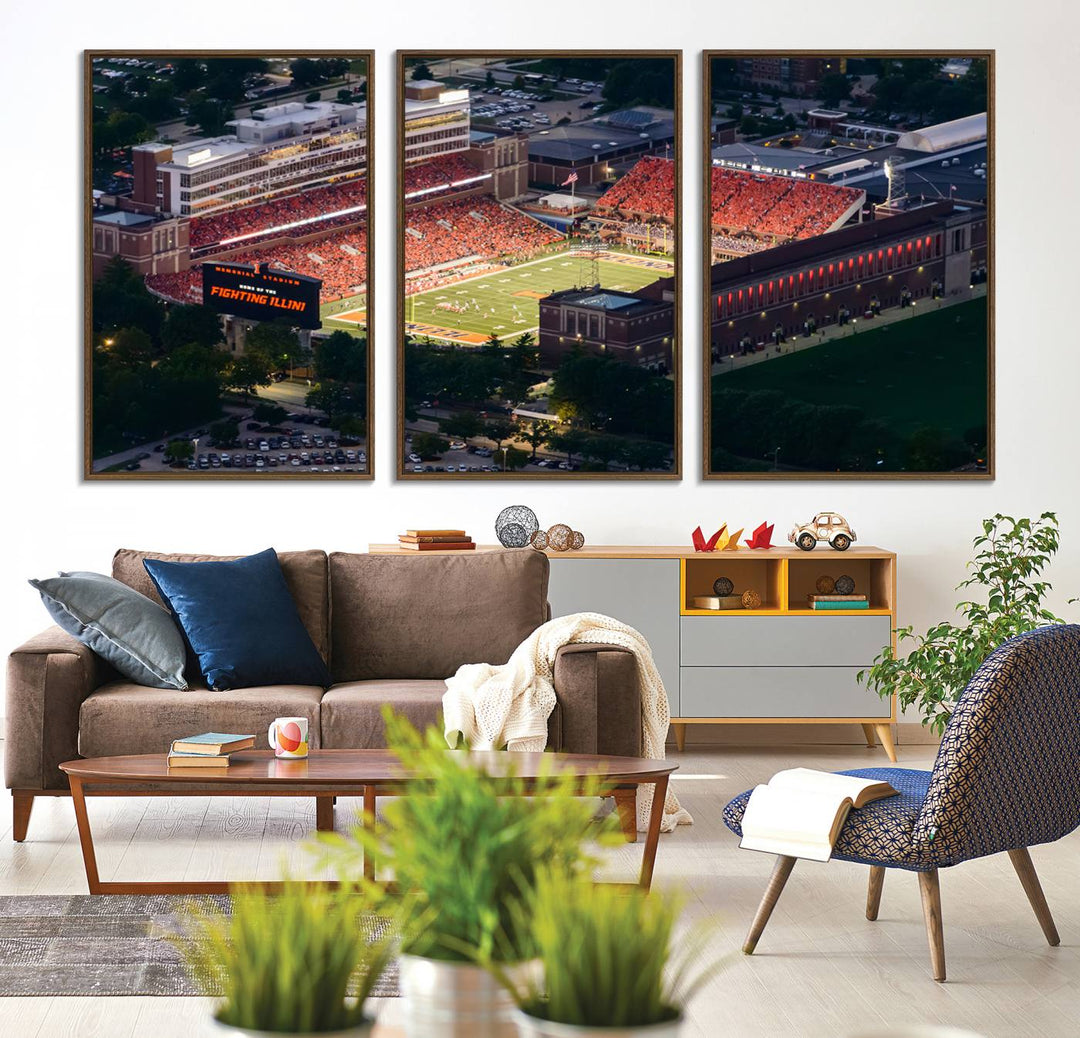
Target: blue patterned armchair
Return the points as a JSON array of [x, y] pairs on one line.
[[1006, 777]]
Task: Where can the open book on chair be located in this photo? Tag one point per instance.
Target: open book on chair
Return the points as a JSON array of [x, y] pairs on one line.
[[801, 811]]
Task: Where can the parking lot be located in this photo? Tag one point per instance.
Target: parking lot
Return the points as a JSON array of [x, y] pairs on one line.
[[533, 110]]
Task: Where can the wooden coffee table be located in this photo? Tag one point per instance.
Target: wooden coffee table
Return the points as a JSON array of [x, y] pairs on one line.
[[327, 774]]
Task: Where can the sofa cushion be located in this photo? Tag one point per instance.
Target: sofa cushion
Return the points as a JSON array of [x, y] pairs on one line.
[[304, 572], [352, 712], [122, 718], [398, 616], [240, 619]]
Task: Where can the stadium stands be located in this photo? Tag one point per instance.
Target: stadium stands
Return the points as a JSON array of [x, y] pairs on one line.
[[475, 226], [339, 259], [267, 218], [648, 189], [437, 176], [779, 207]]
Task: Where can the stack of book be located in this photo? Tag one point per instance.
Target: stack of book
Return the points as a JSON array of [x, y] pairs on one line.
[[838, 601], [436, 540], [209, 750]]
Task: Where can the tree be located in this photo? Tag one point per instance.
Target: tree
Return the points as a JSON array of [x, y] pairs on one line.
[[499, 430], [246, 373], [313, 95], [177, 451], [352, 427], [537, 435], [344, 96], [569, 442], [130, 346], [184, 324], [273, 341], [519, 82], [334, 399], [269, 413], [421, 71], [489, 79], [429, 445], [835, 87], [224, 433], [514, 459], [210, 115], [341, 356], [462, 425]]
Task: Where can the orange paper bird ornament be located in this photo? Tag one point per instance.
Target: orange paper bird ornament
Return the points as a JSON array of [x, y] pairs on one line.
[[762, 537], [733, 541]]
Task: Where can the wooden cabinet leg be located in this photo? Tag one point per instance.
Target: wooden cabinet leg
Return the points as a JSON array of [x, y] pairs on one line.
[[884, 732], [1025, 869], [930, 892], [21, 806], [873, 891], [871, 740], [324, 814], [680, 736], [626, 806], [781, 871]]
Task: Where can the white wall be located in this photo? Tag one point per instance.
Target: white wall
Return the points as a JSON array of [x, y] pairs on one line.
[[56, 521]]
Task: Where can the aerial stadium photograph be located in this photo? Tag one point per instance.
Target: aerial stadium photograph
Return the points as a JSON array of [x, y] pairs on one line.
[[539, 246], [227, 264], [848, 265]]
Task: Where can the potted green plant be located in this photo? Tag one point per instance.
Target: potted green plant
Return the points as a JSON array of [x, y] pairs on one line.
[[1010, 556], [298, 962], [465, 849], [607, 966]]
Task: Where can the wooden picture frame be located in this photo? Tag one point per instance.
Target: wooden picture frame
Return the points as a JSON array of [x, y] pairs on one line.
[[348, 225], [886, 453], [406, 469]]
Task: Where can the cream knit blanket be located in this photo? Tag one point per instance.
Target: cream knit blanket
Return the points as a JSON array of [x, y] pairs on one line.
[[493, 706]]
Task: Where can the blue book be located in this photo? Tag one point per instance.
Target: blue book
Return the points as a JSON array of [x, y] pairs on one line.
[[212, 744]]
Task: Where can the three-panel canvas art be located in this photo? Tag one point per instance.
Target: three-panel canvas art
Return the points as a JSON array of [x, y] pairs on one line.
[[845, 278]]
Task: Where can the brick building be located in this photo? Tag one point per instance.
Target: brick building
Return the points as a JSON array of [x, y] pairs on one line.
[[151, 244]]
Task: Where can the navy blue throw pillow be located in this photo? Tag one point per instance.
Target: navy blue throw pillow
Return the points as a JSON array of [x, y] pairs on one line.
[[241, 621]]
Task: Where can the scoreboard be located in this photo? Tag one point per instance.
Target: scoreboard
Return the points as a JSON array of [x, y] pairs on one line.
[[261, 293]]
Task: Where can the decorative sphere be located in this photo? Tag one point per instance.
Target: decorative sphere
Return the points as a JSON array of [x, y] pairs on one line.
[[723, 586], [540, 540], [751, 599], [577, 542], [515, 526], [845, 585], [560, 537], [825, 585]]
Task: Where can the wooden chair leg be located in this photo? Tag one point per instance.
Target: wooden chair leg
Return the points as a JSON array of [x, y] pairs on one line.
[[871, 739], [1021, 860], [931, 905], [21, 804], [680, 736], [626, 806], [781, 871], [873, 892], [884, 732]]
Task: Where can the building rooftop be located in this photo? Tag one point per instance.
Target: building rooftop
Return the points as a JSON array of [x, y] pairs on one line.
[[608, 299], [120, 218], [602, 138]]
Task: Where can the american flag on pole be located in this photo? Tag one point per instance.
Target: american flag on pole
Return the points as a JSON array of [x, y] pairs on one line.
[[572, 179]]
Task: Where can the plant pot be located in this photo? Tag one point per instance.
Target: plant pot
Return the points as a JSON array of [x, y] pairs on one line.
[[534, 1027], [361, 1030], [452, 1000]]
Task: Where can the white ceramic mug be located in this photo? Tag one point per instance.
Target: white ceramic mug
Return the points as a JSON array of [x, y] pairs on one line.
[[288, 737]]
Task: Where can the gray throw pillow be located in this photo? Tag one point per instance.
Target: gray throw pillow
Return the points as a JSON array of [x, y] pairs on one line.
[[136, 635]]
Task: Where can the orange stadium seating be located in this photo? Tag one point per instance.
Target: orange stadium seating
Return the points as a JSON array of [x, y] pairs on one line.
[[266, 217], [779, 207], [435, 176], [339, 259], [648, 188], [475, 226]]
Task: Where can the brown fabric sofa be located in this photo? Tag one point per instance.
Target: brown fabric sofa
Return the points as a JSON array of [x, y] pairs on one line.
[[391, 628]]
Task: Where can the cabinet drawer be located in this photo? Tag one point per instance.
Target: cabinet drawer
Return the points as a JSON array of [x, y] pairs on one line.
[[778, 692], [782, 641]]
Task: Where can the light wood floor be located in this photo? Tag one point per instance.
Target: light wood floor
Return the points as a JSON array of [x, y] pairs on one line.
[[820, 969]]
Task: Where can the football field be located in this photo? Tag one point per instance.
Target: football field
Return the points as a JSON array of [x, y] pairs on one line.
[[504, 302]]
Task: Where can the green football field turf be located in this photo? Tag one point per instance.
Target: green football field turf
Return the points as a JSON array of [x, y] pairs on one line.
[[507, 299], [930, 370]]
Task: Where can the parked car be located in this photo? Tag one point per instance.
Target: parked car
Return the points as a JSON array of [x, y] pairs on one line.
[[825, 526]]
